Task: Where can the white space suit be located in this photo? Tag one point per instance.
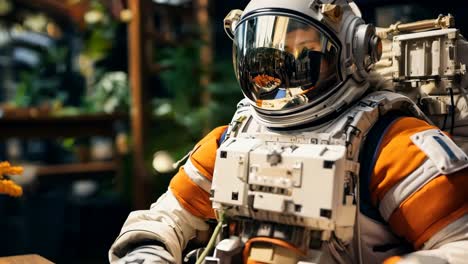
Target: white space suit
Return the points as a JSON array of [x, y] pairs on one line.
[[314, 168]]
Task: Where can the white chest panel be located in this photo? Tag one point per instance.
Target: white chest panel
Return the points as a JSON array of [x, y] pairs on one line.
[[297, 184]]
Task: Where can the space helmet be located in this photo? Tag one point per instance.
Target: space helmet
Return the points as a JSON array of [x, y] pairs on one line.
[[301, 62]]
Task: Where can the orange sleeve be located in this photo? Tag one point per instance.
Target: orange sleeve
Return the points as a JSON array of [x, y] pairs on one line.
[[191, 196], [435, 204]]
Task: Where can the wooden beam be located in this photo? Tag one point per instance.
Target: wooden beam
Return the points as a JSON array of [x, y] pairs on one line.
[[24, 125], [206, 54], [139, 114]]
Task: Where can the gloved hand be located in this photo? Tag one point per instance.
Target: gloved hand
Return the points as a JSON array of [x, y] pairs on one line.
[[147, 255]]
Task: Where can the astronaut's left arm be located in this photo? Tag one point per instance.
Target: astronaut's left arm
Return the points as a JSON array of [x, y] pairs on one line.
[[420, 186]]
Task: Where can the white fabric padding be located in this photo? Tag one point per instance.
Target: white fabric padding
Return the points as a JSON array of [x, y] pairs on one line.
[[450, 253], [167, 221], [456, 231], [404, 188], [196, 176]]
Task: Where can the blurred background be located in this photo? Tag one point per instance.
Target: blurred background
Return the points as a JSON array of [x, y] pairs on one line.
[[98, 100]]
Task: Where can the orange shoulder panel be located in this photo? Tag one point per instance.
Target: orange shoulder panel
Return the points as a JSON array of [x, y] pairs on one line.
[[397, 157], [191, 196], [436, 204], [204, 154]]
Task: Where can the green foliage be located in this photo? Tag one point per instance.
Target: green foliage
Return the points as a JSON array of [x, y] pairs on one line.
[[225, 93], [182, 116], [99, 42], [182, 80], [110, 94], [100, 32], [182, 86], [42, 83], [182, 83]]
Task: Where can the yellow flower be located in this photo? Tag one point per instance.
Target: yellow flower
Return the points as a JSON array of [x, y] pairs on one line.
[[6, 168], [8, 187]]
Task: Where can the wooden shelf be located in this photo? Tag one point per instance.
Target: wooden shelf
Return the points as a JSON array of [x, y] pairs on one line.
[[51, 6], [32, 259], [97, 168], [59, 8], [12, 125], [177, 9]]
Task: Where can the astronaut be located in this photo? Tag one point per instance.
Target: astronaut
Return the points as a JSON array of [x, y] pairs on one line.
[[314, 167]]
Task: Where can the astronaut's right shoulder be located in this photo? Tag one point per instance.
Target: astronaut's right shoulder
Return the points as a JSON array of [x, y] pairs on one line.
[[204, 153], [192, 183]]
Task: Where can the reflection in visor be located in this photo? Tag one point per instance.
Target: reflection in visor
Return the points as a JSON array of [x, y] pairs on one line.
[[278, 78], [265, 83], [272, 68], [288, 66]]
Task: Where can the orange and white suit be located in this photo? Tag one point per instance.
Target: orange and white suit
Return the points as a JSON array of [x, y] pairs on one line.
[[414, 199]]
